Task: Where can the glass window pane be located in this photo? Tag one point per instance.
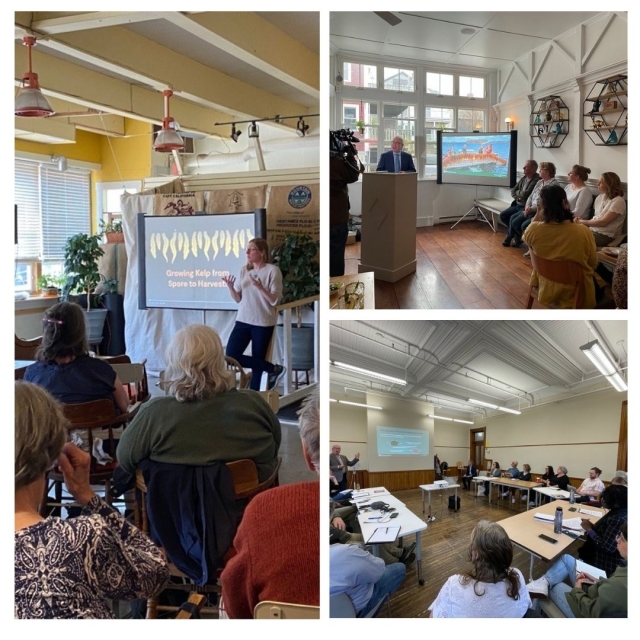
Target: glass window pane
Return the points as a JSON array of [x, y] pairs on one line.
[[399, 79], [471, 87], [471, 120], [399, 120], [440, 84], [360, 75]]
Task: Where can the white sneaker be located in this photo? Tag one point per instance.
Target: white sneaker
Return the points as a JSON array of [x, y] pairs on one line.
[[505, 494], [513, 500], [538, 588], [523, 498], [532, 504]]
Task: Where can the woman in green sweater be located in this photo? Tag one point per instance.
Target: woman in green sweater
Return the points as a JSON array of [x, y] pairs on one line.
[[204, 419]]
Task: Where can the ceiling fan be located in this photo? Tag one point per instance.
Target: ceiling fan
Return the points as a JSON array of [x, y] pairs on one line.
[[389, 17]]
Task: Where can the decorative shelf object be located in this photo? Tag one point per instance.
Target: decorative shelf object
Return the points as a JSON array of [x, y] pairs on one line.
[[604, 113], [549, 122]]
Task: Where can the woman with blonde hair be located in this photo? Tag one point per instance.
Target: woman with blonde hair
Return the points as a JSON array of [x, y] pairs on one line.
[[257, 291], [68, 568], [609, 210], [578, 194], [204, 419], [491, 588]]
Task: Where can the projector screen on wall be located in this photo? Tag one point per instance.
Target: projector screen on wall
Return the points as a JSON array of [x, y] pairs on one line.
[[395, 441], [483, 159], [182, 259]]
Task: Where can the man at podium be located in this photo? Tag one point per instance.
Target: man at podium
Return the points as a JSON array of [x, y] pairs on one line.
[[396, 160]]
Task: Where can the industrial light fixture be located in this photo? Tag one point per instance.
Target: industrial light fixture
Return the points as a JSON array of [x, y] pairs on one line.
[[61, 161], [235, 134], [371, 374], [435, 417], [509, 123], [493, 406], [463, 421], [332, 400], [30, 101], [302, 128], [253, 130], [607, 367], [168, 139], [359, 404]]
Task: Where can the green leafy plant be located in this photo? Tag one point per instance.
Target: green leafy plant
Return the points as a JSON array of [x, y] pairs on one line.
[[115, 226], [46, 281], [81, 253], [297, 259], [360, 124]]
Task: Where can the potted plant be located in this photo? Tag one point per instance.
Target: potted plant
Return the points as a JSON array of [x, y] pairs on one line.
[[81, 253], [360, 124], [297, 259], [112, 231], [51, 285]]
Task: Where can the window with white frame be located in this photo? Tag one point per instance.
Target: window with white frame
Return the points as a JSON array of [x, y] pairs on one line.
[[399, 79], [349, 115], [399, 120], [435, 119], [470, 87], [360, 75], [440, 84], [471, 120], [52, 206], [368, 113]]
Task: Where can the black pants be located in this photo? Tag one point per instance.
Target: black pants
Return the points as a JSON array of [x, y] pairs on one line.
[[259, 337], [338, 235]]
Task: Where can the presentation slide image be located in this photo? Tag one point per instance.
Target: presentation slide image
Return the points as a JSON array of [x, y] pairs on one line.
[[474, 156], [395, 441]]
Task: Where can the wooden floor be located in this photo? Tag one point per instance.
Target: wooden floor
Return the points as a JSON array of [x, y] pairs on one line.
[[444, 549], [462, 268]]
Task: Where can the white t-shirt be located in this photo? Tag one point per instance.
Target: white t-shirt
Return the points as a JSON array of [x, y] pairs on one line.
[[456, 600], [254, 308], [579, 201], [602, 206]]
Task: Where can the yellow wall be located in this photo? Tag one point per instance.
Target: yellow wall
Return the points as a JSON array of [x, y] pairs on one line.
[[86, 148], [133, 154]]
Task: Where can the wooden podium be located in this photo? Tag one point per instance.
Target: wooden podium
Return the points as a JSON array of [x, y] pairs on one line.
[[388, 245]]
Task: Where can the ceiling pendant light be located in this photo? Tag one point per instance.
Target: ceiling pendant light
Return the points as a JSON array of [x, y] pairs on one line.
[[301, 127], [30, 101], [168, 139]]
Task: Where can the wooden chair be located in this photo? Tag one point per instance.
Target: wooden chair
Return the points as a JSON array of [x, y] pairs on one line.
[[192, 607], [26, 349], [134, 380], [561, 271], [122, 359], [246, 485], [243, 379], [340, 606], [86, 417], [269, 610]]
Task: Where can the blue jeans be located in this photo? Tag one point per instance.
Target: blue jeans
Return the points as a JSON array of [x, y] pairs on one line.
[[259, 337], [518, 224], [563, 568], [337, 241], [507, 214], [391, 580]]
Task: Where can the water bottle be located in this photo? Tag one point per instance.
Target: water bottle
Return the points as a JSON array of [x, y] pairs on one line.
[[557, 521], [572, 495]]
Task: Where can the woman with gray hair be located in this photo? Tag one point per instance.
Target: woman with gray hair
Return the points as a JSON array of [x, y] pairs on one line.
[[68, 568], [204, 419]]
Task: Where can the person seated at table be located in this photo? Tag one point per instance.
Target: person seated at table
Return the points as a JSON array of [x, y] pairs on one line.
[[590, 597], [620, 478], [542, 480], [491, 588], [363, 577], [609, 210], [204, 419], [578, 194], [553, 235], [525, 475], [70, 568], [470, 472], [600, 548], [494, 472], [277, 545], [591, 486], [513, 473], [561, 480]]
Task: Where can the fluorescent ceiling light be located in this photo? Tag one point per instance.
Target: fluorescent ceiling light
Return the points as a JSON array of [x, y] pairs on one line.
[[332, 400], [463, 421], [507, 410], [360, 404], [371, 374], [430, 415], [483, 404], [604, 364]]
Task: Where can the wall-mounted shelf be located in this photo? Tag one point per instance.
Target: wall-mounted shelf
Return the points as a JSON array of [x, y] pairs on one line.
[[549, 122], [606, 125]]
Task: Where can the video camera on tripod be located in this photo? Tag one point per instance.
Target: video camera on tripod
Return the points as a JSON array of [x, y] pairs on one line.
[[342, 143]]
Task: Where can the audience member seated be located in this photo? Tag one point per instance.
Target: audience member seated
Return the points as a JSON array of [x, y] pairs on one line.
[[620, 478], [494, 472], [591, 487], [363, 577], [561, 480], [70, 568], [578, 194], [513, 473], [600, 548], [491, 588], [525, 475], [64, 368], [554, 236], [470, 472], [520, 221], [609, 210], [590, 597], [277, 544], [205, 419], [547, 475], [520, 193]]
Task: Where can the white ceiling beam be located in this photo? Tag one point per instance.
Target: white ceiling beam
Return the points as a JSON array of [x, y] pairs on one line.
[[41, 129], [87, 21]]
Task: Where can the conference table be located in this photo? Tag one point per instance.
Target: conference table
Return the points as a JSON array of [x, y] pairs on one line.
[[551, 492], [408, 521], [524, 530], [430, 488], [521, 485]]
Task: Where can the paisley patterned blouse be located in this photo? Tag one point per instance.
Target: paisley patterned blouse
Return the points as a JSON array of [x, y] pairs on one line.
[[68, 568]]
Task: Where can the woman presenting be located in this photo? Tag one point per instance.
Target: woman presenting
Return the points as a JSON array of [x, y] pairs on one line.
[[257, 291]]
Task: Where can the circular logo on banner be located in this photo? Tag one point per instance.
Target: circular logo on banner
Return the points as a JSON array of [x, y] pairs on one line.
[[299, 197]]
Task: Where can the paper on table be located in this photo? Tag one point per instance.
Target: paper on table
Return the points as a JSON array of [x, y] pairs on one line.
[[567, 523], [590, 512], [384, 534]]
